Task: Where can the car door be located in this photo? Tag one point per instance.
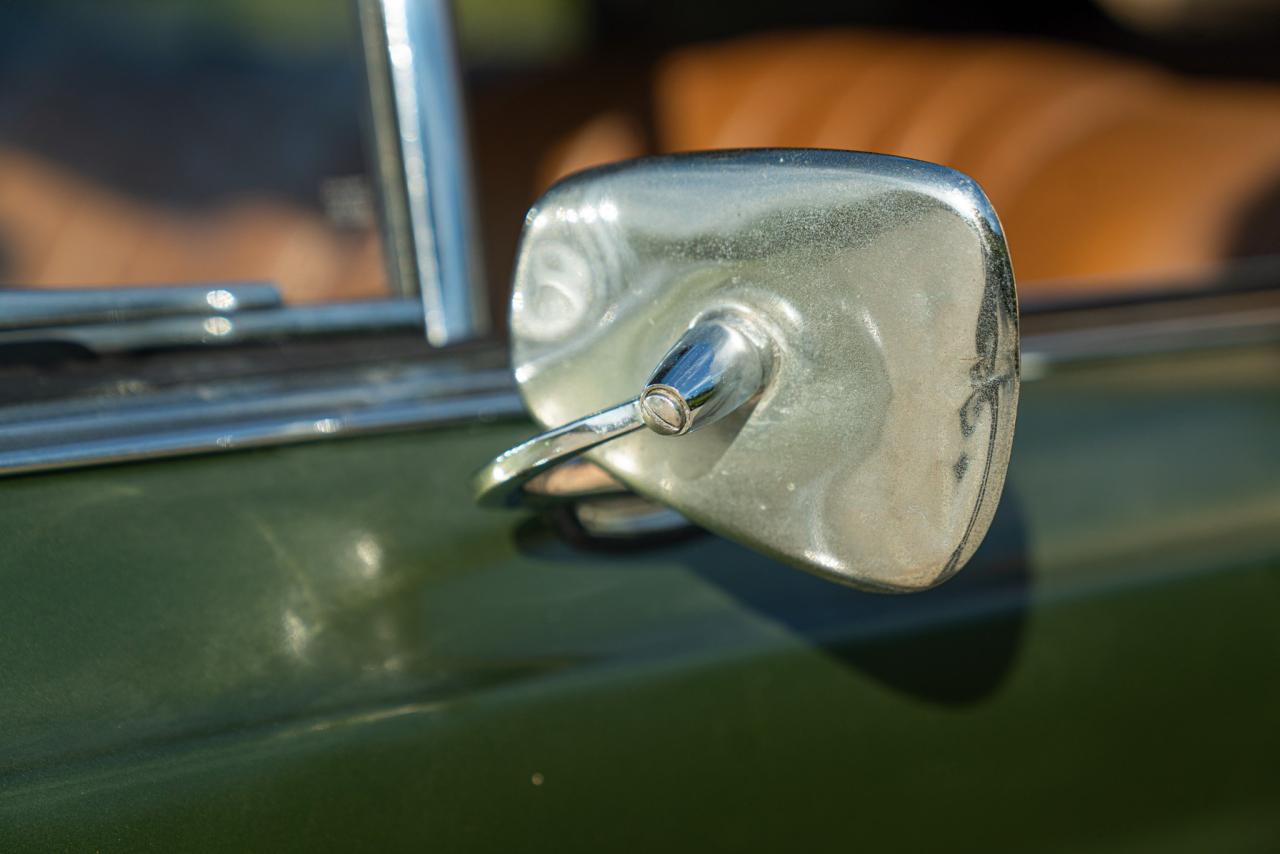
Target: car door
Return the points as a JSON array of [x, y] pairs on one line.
[[250, 601]]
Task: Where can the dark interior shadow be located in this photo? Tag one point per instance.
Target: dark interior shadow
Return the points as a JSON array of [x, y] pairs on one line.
[[1256, 231], [952, 645]]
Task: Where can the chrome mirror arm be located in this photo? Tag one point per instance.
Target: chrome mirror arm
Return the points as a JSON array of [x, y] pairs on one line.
[[715, 368], [501, 483]]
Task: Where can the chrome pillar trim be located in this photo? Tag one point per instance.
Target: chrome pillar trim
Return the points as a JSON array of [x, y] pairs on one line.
[[422, 164]]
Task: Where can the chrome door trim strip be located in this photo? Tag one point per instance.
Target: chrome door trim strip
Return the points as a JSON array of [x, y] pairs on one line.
[[363, 317], [214, 417], [37, 308], [227, 415], [257, 434]]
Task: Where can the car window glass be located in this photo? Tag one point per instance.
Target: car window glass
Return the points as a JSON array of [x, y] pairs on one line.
[[211, 141]]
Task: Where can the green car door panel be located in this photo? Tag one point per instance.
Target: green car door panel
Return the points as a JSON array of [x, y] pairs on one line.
[[324, 646]]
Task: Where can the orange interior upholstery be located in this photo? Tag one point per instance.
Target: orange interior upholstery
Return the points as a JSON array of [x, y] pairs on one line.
[[59, 229], [1102, 170]]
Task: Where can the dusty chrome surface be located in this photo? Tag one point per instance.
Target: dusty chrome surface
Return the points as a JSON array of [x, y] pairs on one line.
[[876, 454], [423, 165]]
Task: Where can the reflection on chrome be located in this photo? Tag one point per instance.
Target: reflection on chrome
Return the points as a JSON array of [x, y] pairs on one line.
[[423, 163], [221, 299], [297, 634], [561, 293], [573, 273], [368, 556]]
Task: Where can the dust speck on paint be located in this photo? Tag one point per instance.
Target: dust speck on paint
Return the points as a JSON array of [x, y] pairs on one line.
[[537, 778]]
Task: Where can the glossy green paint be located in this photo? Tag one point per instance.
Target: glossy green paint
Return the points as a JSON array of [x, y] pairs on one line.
[[329, 647]]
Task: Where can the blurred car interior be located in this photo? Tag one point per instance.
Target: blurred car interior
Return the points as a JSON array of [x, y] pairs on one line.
[[1124, 145], [1100, 169]]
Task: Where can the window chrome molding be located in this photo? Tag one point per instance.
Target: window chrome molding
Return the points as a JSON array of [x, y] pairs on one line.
[[241, 414], [37, 308], [225, 328], [422, 164], [460, 387], [1059, 335]]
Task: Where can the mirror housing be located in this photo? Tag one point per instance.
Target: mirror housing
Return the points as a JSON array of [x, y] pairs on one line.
[[840, 328]]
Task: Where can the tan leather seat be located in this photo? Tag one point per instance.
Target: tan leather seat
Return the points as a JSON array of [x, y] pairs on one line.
[[59, 229], [1102, 170]]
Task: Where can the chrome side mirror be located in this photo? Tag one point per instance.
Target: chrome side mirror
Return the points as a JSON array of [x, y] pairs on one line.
[[814, 353]]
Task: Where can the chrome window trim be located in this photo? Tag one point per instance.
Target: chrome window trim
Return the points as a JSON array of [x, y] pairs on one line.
[[423, 174], [253, 413], [1056, 335], [124, 333], [456, 388], [41, 308]]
